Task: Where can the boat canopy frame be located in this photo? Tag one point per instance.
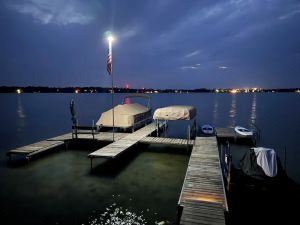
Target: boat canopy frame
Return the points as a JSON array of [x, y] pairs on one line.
[[180, 112]]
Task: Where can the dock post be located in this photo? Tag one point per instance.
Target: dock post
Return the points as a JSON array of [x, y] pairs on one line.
[[229, 163], [285, 159], [179, 213], [66, 145], [93, 129], [91, 163], [157, 127], [28, 159]]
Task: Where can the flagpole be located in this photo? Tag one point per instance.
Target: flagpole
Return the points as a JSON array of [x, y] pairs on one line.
[[112, 88]]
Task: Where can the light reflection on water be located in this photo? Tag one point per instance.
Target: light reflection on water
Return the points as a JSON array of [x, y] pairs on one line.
[[215, 110], [232, 111], [20, 115], [20, 110], [117, 215], [253, 110]]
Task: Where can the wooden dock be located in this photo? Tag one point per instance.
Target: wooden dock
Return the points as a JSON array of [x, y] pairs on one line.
[[51, 143], [116, 148], [203, 198], [229, 133], [36, 148]]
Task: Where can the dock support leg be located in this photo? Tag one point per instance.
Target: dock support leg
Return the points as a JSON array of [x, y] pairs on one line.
[[91, 163], [66, 145], [179, 213]]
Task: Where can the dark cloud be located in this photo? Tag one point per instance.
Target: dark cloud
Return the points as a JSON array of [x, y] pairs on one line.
[[162, 44], [57, 11]]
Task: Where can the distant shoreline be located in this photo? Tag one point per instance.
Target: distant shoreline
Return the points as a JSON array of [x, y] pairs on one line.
[[41, 89]]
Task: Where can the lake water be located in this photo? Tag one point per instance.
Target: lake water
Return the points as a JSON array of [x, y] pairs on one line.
[[143, 185]]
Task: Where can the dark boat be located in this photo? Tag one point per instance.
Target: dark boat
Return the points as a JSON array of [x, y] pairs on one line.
[[259, 167]]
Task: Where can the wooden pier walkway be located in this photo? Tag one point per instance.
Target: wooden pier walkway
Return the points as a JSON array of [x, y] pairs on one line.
[[116, 148], [203, 198], [36, 148]]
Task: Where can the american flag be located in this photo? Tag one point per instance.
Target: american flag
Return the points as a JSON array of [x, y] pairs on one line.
[[109, 62]]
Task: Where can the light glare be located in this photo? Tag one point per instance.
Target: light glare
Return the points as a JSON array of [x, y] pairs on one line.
[[110, 38]]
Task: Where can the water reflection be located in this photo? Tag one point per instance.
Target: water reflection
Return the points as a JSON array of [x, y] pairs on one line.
[[115, 214], [20, 115], [215, 110], [232, 111], [253, 110]]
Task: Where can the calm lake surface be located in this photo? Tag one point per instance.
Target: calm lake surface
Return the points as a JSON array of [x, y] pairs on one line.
[[60, 188]]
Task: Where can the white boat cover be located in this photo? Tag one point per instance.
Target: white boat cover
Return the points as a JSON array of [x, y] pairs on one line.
[[267, 160], [176, 112], [125, 115]]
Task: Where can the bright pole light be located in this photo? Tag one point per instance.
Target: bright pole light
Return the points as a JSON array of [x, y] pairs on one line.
[[110, 39]]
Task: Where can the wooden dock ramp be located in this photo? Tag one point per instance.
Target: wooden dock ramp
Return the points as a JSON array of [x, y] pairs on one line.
[[116, 148], [203, 198]]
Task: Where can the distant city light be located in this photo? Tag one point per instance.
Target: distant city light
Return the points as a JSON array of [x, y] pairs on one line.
[[19, 91], [77, 91]]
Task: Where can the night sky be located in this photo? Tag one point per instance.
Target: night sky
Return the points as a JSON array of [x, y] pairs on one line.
[[160, 43]]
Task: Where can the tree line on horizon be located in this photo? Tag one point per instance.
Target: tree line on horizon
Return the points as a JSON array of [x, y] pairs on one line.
[[43, 89]]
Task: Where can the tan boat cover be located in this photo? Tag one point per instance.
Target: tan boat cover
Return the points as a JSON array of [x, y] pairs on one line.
[[126, 115], [176, 112]]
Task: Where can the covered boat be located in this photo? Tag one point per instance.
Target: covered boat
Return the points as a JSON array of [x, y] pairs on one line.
[[175, 112], [178, 112], [261, 167], [126, 115], [260, 163]]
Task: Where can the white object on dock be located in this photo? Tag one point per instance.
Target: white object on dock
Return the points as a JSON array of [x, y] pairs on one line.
[[243, 131]]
